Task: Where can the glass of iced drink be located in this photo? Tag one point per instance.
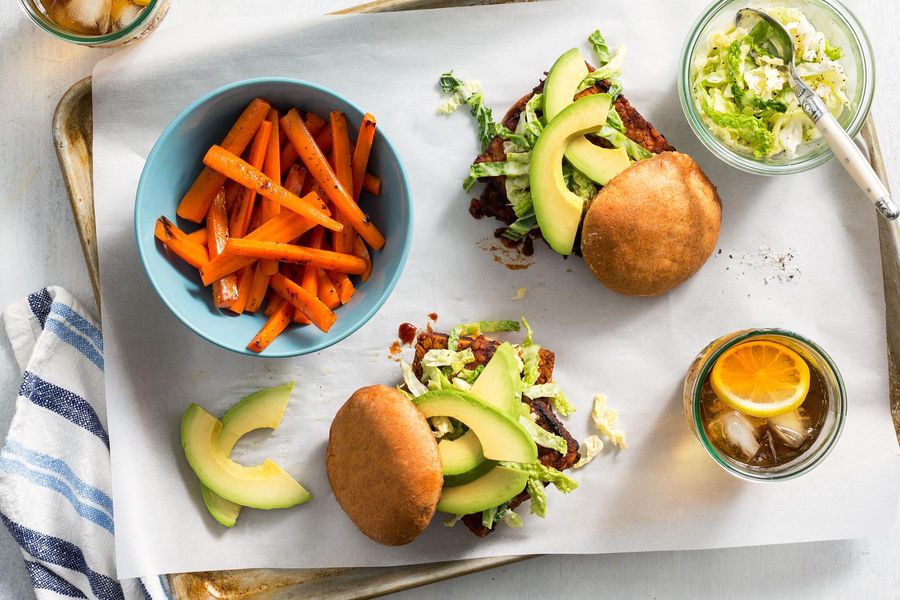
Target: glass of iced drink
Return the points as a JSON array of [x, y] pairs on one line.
[[97, 23], [767, 404]]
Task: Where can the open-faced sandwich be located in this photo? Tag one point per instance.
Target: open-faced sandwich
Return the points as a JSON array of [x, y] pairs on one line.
[[472, 433], [555, 168]]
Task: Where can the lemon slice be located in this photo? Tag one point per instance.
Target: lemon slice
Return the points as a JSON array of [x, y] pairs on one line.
[[761, 378]]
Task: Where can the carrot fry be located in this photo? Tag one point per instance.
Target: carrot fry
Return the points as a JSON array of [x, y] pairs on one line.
[[276, 324], [273, 303], [361, 153], [340, 138], [225, 290], [372, 184], [285, 227], [318, 167], [233, 192], [310, 278], [315, 124], [342, 284], [296, 177], [178, 242], [198, 236], [236, 168], [323, 140], [294, 275], [240, 218], [326, 259], [320, 315], [327, 293], [258, 288], [245, 282], [195, 203], [360, 250], [272, 167]]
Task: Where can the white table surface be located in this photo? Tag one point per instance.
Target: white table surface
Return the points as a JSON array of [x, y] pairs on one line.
[[39, 246]]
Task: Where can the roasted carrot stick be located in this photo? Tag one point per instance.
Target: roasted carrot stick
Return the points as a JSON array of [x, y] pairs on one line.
[[318, 167], [372, 184], [178, 242], [245, 282], [285, 227], [296, 176], [360, 250], [195, 203], [198, 236], [258, 288], [340, 139], [273, 303], [240, 218], [320, 315], [272, 166], [233, 192], [225, 290], [323, 140], [310, 278], [315, 124], [273, 328], [235, 168], [327, 294], [361, 153], [342, 284], [326, 259], [295, 275]]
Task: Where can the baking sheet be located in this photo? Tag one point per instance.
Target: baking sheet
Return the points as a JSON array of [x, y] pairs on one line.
[[661, 493]]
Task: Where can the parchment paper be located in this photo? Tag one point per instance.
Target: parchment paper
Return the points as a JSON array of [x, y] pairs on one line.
[[663, 492]]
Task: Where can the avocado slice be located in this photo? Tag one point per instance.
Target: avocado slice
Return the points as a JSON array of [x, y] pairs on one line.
[[558, 210], [560, 87], [463, 460], [497, 486], [260, 410], [264, 486], [501, 437], [499, 382], [562, 82], [497, 386]]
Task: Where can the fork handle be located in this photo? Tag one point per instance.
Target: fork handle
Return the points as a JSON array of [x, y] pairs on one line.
[[849, 155]]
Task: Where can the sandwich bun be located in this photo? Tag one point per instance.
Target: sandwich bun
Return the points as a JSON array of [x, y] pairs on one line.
[[652, 227], [383, 465]]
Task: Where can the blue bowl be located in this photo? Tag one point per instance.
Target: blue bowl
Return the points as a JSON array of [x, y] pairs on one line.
[[174, 163]]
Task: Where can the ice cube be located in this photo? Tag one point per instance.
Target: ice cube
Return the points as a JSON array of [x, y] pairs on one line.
[[123, 13], [735, 432], [82, 16], [792, 428]]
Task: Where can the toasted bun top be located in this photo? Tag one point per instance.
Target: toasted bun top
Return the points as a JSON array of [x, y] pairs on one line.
[[652, 226], [383, 465]]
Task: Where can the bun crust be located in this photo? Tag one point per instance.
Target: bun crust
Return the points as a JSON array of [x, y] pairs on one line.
[[383, 465], [653, 226]]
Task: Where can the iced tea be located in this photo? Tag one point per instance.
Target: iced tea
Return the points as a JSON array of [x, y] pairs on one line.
[[767, 404]]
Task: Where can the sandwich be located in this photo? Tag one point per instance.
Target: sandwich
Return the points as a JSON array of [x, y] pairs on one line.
[[547, 162], [474, 431]]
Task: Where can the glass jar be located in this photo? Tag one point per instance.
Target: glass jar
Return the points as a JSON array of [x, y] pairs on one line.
[[839, 26], [833, 386], [149, 18]]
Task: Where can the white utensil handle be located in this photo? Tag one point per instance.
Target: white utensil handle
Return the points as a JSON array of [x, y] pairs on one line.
[[850, 157]]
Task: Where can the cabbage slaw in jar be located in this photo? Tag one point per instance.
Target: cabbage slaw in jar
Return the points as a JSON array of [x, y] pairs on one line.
[[743, 92]]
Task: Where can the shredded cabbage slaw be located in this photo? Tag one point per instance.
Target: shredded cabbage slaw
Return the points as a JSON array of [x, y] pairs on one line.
[[743, 90]]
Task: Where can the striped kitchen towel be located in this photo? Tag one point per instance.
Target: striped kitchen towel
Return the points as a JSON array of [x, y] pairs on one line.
[[55, 488]]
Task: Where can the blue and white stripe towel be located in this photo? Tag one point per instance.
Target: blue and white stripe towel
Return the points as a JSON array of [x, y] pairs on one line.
[[55, 488]]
